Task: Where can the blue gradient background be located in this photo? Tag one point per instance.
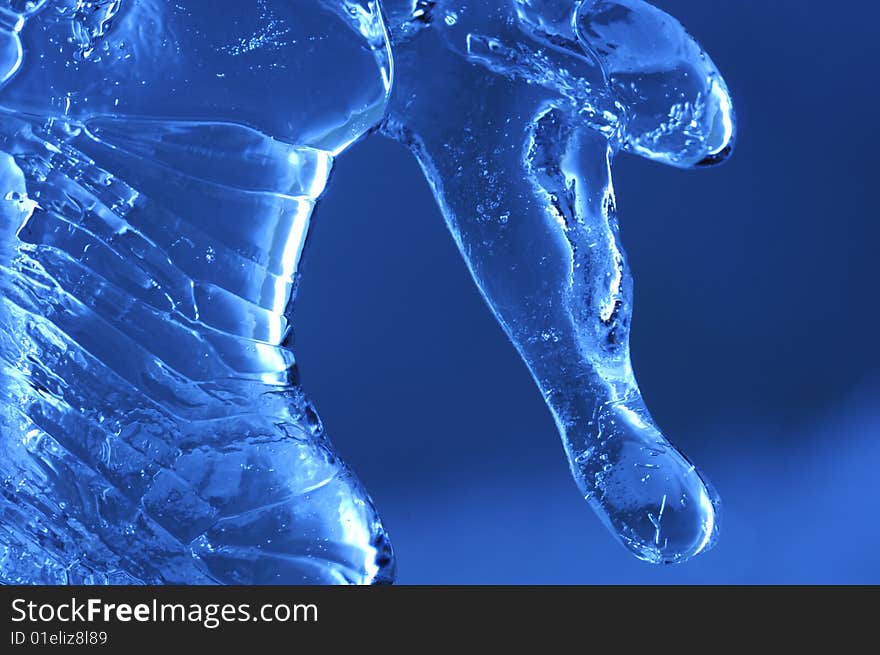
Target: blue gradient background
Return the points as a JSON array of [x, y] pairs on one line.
[[755, 335]]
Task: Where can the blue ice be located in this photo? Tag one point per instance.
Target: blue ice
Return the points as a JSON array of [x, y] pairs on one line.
[[159, 166]]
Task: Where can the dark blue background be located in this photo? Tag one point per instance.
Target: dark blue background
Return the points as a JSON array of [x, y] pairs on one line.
[[755, 335]]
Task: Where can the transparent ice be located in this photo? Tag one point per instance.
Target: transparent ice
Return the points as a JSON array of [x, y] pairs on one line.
[[515, 111], [159, 164]]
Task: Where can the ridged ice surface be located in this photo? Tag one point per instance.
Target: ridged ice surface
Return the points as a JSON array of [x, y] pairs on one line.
[[159, 165], [154, 208], [521, 167]]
